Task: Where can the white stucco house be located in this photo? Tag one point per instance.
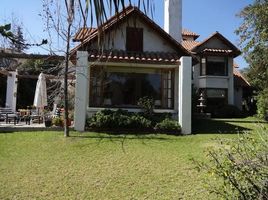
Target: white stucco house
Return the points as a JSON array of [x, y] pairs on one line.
[[138, 58], [215, 74]]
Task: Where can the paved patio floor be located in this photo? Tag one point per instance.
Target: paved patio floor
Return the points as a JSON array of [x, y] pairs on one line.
[[22, 126]]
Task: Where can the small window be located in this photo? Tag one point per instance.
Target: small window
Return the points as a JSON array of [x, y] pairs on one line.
[[214, 66], [134, 39]]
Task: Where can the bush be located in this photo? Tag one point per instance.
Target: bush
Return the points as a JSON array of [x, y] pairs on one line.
[[147, 104], [168, 125], [262, 105], [240, 167], [227, 111], [117, 119], [57, 121]]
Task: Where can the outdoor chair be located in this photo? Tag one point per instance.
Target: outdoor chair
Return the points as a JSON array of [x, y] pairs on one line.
[[8, 115], [36, 116], [25, 115]]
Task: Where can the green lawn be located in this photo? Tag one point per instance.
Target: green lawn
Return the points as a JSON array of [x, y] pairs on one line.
[[45, 165]]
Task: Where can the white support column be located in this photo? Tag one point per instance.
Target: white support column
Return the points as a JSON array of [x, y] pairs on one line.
[[81, 91], [185, 95], [231, 81], [11, 91]]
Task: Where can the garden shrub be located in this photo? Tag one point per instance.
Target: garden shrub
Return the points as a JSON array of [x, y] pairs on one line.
[[147, 104], [262, 105], [118, 119], [168, 125], [240, 167], [57, 121]]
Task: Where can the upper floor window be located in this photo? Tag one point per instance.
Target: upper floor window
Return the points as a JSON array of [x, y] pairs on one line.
[[214, 66], [134, 39]]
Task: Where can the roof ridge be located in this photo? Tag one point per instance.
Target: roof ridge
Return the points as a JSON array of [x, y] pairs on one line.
[[118, 17]]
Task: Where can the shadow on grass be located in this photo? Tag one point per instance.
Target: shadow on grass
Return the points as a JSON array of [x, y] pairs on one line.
[[123, 139], [215, 126], [244, 121], [126, 135]]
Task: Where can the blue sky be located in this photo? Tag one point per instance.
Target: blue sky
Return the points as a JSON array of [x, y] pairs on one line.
[[201, 16]]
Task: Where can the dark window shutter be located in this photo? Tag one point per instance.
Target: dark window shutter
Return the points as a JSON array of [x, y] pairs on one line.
[[134, 39]]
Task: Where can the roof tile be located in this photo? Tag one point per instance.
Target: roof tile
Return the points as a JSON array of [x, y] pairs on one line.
[[145, 57]]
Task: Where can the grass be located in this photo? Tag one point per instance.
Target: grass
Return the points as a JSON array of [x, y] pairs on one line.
[[45, 165]]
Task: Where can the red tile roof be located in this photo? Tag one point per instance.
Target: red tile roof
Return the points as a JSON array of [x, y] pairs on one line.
[[186, 32], [240, 80], [189, 45], [138, 57]]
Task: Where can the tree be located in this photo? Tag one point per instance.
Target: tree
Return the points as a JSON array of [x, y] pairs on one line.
[[253, 34], [77, 12], [19, 43]]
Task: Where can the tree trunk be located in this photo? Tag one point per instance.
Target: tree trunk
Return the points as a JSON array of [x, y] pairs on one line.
[[66, 101]]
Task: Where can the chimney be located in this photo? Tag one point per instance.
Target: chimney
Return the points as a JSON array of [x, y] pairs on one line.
[[173, 18]]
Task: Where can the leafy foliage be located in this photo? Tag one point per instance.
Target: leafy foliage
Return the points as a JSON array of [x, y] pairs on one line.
[[18, 42], [5, 31], [121, 119], [253, 34], [262, 104], [241, 167], [118, 119], [147, 104], [168, 125], [57, 121]]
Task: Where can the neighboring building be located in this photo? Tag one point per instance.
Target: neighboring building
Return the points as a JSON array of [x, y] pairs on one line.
[[215, 75], [138, 59]]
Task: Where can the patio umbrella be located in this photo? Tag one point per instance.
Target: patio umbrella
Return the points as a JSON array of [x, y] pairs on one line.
[[40, 96]]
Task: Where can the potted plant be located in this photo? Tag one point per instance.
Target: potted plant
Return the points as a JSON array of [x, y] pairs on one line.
[[57, 121], [47, 118]]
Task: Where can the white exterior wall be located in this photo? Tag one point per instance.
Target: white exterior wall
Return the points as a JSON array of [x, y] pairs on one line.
[[231, 81], [81, 91], [213, 82], [238, 93], [196, 73], [173, 18], [215, 43], [152, 41], [185, 95], [11, 90]]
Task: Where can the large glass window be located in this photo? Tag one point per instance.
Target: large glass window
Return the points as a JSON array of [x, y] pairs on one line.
[[214, 66], [124, 86]]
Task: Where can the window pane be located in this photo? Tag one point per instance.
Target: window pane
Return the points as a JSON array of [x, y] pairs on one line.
[[216, 93], [124, 86], [216, 66]]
